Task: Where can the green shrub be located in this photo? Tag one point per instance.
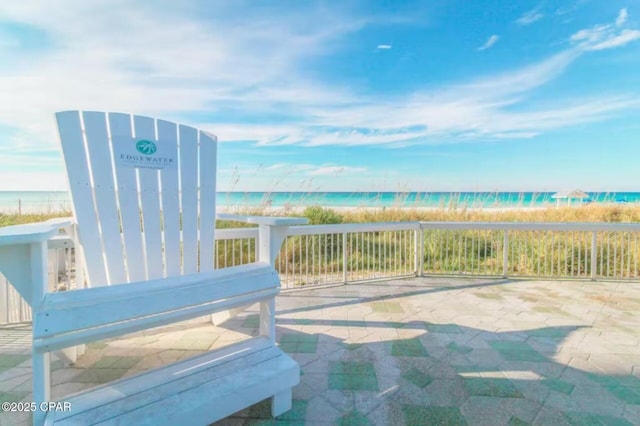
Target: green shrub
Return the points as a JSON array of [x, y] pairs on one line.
[[320, 216]]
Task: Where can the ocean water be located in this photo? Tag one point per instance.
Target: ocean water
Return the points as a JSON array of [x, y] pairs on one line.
[[47, 201], [413, 199]]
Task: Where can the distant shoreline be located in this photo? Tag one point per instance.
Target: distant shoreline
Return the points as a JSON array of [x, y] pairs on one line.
[[275, 210]]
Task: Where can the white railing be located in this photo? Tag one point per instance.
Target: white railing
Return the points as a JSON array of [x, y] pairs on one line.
[[329, 254], [236, 246], [333, 254], [542, 250], [343, 253]]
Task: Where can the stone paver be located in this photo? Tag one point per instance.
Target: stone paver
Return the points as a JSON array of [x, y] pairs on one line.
[[352, 376], [407, 352], [299, 343]]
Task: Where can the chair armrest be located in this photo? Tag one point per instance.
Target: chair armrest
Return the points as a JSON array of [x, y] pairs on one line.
[[32, 232], [264, 220]]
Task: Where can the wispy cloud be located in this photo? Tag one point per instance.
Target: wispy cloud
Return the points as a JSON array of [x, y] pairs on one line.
[[606, 36], [622, 17], [507, 84], [113, 60], [384, 46], [336, 170], [530, 17], [480, 108], [490, 42], [312, 169], [289, 167], [571, 7], [624, 37]]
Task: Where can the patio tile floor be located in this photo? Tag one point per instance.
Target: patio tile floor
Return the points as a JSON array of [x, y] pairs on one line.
[[417, 351]]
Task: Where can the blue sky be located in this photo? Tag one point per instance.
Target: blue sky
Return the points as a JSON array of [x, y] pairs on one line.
[[340, 96]]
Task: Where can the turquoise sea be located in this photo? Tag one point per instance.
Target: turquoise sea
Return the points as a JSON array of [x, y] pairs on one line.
[[45, 201]]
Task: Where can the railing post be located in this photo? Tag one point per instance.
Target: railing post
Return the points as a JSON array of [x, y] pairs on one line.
[[52, 256], [505, 254], [594, 254], [256, 247], [419, 251], [344, 257]]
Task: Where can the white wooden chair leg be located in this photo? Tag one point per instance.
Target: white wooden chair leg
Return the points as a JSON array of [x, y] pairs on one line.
[[41, 384], [268, 318], [281, 403], [223, 316], [68, 356]]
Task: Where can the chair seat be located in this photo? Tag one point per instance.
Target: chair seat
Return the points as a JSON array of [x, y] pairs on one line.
[[81, 316], [196, 391]]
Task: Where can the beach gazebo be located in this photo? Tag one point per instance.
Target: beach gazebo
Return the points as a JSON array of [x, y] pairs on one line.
[[577, 194]]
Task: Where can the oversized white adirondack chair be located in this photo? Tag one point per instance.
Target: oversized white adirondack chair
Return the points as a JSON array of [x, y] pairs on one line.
[[143, 193]]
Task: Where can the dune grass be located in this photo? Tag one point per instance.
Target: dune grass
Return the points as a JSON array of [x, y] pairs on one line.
[[19, 219], [588, 213]]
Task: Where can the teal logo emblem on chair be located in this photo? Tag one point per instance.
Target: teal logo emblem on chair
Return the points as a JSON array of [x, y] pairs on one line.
[[146, 147]]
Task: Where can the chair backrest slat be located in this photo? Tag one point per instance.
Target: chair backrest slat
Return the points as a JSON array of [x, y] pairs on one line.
[[100, 163], [144, 128], [207, 200], [189, 188], [120, 127], [74, 152], [170, 190], [143, 192]]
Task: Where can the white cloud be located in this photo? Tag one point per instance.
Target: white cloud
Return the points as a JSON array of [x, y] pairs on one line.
[[157, 60], [530, 17], [336, 170], [479, 108], [590, 35], [520, 80], [33, 180], [606, 36], [490, 42], [622, 17], [288, 170], [277, 166], [384, 46], [313, 169], [289, 167], [624, 37]]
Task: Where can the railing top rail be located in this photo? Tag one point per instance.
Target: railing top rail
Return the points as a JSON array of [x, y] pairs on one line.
[[233, 233], [534, 226], [225, 234], [353, 227]]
